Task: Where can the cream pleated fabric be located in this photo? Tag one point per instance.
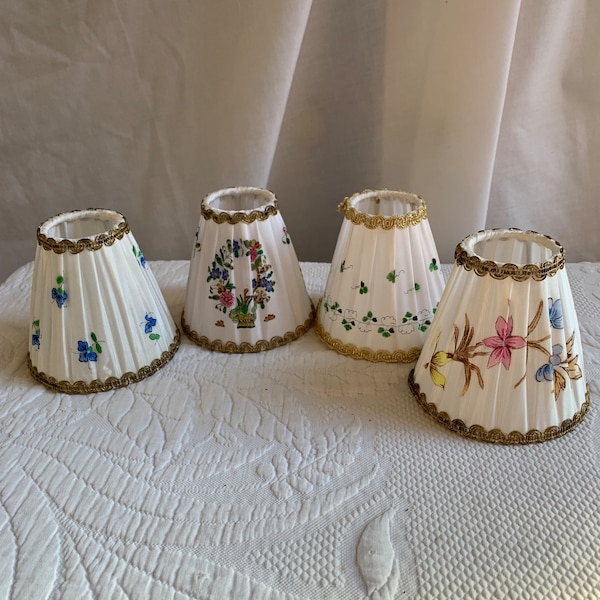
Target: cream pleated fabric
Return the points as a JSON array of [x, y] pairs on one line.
[[489, 110]]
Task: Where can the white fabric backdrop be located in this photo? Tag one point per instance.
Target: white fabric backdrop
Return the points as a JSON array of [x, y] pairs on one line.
[[489, 110]]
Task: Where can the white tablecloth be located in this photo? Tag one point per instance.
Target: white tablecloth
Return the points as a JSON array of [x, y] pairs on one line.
[[293, 473]]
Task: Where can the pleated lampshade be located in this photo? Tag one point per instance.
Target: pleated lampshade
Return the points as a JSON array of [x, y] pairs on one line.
[[385, 282], [503, 362], [98, 318], [245, 291]]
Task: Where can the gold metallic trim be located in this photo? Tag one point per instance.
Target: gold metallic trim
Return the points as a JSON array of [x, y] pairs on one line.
[[379, 221], [495, 436], [247, 347], [233, 218], [387, 356], [537, 272], [112, 383], [77, 246]]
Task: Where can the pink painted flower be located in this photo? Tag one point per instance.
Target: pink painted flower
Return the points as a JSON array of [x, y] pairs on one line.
[[503, 343], [227, 298]]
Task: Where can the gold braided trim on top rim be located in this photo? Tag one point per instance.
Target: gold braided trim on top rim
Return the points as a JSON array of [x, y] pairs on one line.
[[387, 356], [79, 245], [495, 436], [381, 222], [247, 347], [259, 214], [537, 272], [112, 383]]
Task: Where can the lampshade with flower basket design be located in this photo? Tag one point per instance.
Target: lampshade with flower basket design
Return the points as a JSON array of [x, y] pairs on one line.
[[245, 290]]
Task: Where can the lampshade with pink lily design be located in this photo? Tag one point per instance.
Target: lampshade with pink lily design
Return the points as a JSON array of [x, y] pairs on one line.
[[503, 362]]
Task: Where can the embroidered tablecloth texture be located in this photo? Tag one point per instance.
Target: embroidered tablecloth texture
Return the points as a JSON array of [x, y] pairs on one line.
[[293, 473]]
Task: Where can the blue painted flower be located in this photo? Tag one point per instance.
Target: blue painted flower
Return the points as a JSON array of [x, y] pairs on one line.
[[555, 313], [60, 296], [224, 274], [85, 352], [215, 273], [264, 283], [35, 340], [547, 371], [142, 260], [236, 247], [150, 323]]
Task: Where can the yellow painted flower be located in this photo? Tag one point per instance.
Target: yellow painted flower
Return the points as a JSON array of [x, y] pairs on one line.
[[438, 359]]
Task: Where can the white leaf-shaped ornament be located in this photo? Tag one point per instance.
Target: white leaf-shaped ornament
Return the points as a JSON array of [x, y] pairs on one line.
[[375, 553]]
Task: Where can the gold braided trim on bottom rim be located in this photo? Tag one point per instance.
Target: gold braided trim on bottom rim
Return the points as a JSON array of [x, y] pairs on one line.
[[112, 383], [495, 436], [247, 347], [388, 356]]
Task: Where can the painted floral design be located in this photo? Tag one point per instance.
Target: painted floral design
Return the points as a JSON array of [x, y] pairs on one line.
[[503, 343], [286, 236], [139, 256], [149, 325], [35, 334], [559, 367], [59, 293], [89, 352], [555, 313], [241, 308], [386, 325]]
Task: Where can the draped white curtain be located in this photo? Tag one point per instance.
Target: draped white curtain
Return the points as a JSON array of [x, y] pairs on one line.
[[490, 110]]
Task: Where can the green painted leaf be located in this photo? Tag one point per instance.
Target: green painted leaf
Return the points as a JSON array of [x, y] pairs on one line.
[[93, 336]]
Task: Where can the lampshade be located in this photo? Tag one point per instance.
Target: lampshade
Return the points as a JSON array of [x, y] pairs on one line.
[[98, 318], [245, 290], [503, 362], [385, 282]]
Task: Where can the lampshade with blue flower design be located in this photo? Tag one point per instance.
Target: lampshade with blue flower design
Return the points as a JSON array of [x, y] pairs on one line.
[[98, 318]]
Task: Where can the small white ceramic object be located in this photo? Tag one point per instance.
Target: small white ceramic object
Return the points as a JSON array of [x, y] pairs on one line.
[[503, 362], [385, 280], [245, 290], [98, 318]]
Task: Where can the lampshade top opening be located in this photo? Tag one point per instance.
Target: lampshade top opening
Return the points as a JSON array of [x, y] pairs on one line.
[[240, 199], [82, 224], [512, 246], [386, 203]]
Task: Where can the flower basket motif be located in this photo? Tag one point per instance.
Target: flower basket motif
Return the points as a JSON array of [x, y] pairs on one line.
[[241, 309]]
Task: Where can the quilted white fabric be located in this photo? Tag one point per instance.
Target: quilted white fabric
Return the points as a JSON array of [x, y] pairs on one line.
[[294, 473]]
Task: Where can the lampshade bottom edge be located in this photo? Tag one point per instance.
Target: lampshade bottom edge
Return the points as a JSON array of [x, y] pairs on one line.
[[496, 436], [111, 383], [230, 347], [389, 356]]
